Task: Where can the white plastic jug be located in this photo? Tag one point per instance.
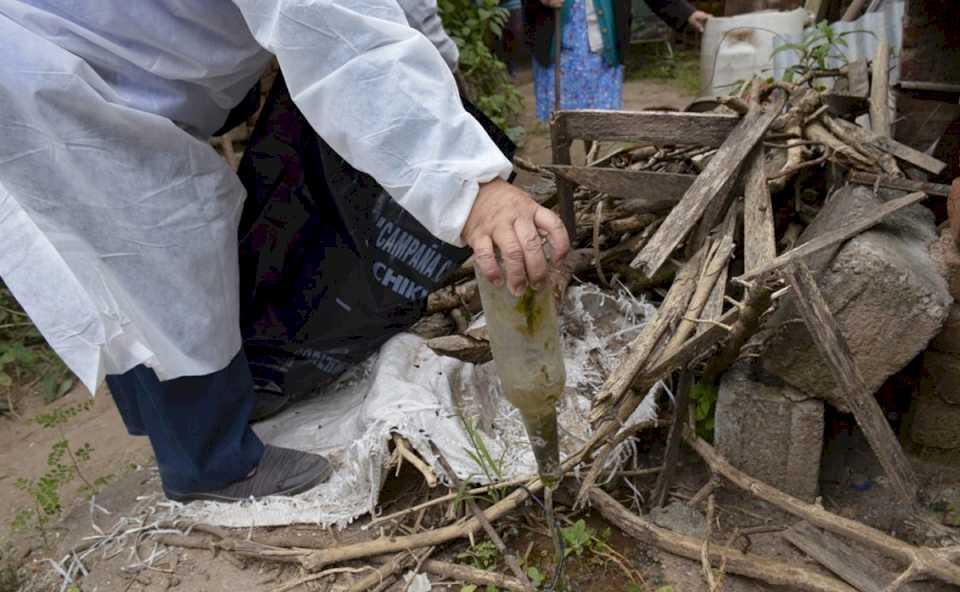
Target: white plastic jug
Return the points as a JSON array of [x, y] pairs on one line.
[[736, 48]]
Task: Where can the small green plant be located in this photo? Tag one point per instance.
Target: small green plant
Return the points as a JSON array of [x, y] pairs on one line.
[[491, 468], [472, 24], [481, 556], [537, 578], [817, 50], [63, 466], [578, 538], [24, 356], [704, 397]]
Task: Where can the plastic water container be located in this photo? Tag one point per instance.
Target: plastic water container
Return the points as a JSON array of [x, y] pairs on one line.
[[737, 48], [525, 341]]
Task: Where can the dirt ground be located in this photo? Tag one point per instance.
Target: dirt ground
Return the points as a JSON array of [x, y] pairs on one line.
[[134, 490]]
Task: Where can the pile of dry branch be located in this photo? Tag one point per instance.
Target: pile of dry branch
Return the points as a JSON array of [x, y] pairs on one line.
[[663, 213]]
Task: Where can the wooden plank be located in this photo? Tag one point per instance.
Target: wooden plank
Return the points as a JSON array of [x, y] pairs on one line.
[[759, 239], [897, 149], [650, 191], [835, 351], [560, 146], [858, 79], [900, 183], [880, 91], [908, 154], [852, 566], [655, 127], [829, 239], [940, 87], [711, 184], [680, 409]]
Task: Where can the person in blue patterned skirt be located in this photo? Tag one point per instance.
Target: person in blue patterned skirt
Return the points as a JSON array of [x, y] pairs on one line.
[[596, 35]]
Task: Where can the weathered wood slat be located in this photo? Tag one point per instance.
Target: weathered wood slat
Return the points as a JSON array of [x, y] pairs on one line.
[[835, 351], [829, 239], [759, 240], [560, 145], [908, 154], [852, 566], [900, 183], [655, 127], [711, 184], [653, 192], [858, 79], [880, 91]]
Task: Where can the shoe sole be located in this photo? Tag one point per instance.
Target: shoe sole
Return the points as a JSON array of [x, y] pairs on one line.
[[212, 497]]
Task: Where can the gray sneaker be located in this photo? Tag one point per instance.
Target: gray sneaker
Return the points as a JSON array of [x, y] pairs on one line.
[[282, 471]]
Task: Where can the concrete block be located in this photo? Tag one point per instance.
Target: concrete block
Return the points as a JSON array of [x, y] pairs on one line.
[[948, 340], [770, 430], [935, 408], [946, 255], [884, 288]]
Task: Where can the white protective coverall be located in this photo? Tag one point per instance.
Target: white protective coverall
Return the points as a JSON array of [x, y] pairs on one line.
[[117, 219]]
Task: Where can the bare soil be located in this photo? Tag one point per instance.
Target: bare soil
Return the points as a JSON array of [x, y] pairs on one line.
[[24, 447]]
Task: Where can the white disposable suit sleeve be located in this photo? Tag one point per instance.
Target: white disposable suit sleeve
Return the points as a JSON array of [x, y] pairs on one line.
[[381, 95]]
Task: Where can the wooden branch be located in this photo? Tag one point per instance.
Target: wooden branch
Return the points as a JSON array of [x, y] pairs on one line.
[[854, 10], [411, 457], [759, 240], [472, 575], [834, 349], [714, 266], [508, 556], [817, 132], [880, 89], [240, 547], [673, 307], [852, 566], [855, 136], [654, 127], [316, 560], [756, 303], [385, 573], [647, 191], [681, 407], [829, 239], [713, 183], [445, 499], [461, 347], [899, 183], [930, 562], [705, 567], [771, 571]]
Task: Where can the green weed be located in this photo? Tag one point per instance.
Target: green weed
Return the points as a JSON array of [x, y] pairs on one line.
[[822, 46], [704, 397], [63, 466], [471, 24], [25, 358]]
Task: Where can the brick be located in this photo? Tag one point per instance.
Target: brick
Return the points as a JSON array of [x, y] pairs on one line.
[[935, 409], [770, 430], [883, 287]]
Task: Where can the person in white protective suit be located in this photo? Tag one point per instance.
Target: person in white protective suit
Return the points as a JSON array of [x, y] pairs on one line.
[[118, 221]]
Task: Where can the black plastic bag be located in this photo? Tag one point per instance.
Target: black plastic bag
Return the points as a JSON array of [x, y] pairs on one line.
[[330, 265]]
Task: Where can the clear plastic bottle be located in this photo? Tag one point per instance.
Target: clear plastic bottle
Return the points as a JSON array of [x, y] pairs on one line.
[[525, 341]]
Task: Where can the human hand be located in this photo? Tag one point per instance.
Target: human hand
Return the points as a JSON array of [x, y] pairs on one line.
[[552, 3], [506, 218], [698, 20]]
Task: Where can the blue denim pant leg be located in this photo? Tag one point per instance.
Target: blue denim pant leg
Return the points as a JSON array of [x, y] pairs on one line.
[[197, 425]]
